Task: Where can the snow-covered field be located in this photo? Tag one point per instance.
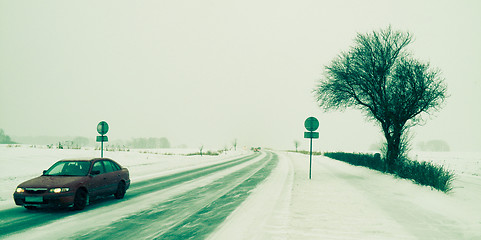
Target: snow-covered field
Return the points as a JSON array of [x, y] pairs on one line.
[[339, 202], [463, 163]]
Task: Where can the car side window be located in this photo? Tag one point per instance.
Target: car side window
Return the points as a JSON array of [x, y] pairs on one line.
[[115, 166], [98, 166], [108, 166]]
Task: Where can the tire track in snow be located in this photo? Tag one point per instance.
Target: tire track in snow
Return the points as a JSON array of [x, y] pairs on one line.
[[205, 221], [15, 220], [193, 214], [163, 182]]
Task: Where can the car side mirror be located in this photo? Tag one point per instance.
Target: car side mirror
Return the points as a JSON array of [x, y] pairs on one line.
[[96, 172]]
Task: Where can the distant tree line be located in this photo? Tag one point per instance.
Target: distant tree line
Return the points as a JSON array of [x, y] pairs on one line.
[[5, 139], [434, 146], [149, 143], [79, 142]]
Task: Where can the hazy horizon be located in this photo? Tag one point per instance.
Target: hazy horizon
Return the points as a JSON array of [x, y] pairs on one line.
[[206, 73]]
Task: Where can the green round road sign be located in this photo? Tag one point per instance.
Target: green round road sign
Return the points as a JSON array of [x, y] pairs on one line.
[[102, 128], [311, 124]]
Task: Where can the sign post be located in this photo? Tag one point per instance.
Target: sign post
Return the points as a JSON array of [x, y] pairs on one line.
[[102, 129], [311, 125]]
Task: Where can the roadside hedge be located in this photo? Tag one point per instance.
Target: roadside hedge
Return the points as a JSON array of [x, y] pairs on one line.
[[424, 173]]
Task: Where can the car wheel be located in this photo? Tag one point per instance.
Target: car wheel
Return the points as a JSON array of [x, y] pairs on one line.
[[80, 200], [120, 193]]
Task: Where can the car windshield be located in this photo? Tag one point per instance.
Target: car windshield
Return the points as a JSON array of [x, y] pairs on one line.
[[68, 168]]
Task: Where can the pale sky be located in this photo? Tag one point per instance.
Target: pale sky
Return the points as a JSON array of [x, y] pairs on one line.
[[208, 72]]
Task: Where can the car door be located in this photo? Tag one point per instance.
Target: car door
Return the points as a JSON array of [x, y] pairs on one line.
[[98, 179], [112, 177]]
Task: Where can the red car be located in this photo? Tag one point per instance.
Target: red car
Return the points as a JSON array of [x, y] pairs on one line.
[[71, 183]]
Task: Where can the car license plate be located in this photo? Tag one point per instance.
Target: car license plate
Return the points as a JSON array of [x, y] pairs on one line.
[[34, 199]]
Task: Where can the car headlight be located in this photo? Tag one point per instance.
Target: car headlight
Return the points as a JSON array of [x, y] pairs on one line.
[[58, 190], [20, 190]]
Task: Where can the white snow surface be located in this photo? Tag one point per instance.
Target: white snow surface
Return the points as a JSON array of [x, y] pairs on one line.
[[339, 202], [347, 202]]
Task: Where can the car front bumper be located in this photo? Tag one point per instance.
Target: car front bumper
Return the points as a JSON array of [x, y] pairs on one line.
[[44, 200]]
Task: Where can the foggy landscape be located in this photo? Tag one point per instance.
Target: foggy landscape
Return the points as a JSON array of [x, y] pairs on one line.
[[200, 73], [218, 92]]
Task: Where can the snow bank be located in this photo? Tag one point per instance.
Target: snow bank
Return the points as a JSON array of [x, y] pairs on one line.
[[347, 202]]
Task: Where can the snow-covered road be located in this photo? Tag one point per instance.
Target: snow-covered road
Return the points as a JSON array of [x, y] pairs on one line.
[[181, 205]]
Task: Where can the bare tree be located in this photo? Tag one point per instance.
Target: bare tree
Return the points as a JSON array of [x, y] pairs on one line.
[[234, 144], [296, 143], [379, 77]]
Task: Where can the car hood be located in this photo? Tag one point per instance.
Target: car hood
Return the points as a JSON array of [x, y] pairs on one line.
[[52, 181]]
